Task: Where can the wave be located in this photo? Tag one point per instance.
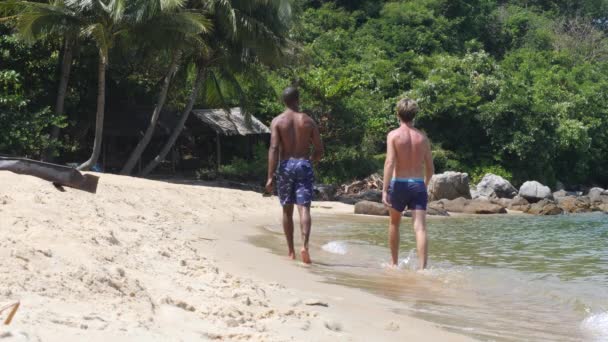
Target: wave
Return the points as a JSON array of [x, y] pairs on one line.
[[595, 327], [336, 247]]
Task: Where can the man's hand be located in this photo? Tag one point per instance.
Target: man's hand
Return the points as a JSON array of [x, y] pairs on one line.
[[385, 199], [270, 185]]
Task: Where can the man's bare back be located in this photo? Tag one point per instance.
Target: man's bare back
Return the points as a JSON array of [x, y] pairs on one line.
[[411, 152], [296, 132]]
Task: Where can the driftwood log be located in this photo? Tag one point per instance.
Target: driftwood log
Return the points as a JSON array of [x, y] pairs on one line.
[[57, 174]]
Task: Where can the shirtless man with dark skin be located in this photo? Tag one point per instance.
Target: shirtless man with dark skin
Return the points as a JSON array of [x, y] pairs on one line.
[[293, 134], [407, 172]]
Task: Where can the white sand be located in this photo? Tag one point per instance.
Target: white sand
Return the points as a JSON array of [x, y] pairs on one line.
[[153, 261]]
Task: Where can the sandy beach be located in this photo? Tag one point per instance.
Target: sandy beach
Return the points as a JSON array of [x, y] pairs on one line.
[[154, 261]]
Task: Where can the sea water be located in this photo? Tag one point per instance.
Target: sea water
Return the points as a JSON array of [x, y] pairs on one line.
[[494, 278]]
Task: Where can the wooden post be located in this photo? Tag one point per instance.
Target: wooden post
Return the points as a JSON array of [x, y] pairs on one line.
[[219, 151]]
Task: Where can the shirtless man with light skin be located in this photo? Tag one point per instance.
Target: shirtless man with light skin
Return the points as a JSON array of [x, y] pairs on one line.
[[292, 135], [407, 172]]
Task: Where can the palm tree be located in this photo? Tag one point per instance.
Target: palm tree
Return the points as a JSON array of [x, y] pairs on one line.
[[38, 21], [174, 32], [245, 31]]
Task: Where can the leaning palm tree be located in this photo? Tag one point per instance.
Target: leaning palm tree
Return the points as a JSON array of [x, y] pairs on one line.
[[173, 32], [245, 32]]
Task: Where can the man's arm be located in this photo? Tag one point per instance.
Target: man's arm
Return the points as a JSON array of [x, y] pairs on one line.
[[429, 167], [318, 147], [273, 154], [389, 168]]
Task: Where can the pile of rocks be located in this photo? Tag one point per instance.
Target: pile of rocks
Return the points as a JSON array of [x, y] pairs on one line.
[[450, 192]]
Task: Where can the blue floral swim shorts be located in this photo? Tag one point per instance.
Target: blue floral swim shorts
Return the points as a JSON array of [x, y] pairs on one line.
[[295, 179]]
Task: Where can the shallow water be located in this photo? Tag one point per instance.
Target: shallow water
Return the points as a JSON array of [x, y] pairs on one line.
[[495, 278]]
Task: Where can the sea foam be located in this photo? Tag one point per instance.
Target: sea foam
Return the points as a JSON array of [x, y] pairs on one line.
[[595, 327], [336, 247]]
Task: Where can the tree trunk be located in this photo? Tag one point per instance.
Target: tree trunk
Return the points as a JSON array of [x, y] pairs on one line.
[[162, 96], [66, 66], [180, 125], [101, 102]]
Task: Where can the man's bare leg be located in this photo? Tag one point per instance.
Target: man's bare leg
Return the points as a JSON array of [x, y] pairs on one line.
[[393, 235], [288, 229], [419, 217], [305, 227]]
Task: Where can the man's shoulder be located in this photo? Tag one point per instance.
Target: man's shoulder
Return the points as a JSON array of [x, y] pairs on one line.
[[393, 133]]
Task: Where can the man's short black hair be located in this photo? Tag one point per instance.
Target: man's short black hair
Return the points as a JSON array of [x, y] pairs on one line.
[[291, 96]]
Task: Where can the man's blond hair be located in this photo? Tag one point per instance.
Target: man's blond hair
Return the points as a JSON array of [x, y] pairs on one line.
[[407, 109]]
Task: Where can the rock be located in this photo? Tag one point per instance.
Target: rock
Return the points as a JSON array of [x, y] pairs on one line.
[[495, 186], [533, 191], [564, 193], [366, 195], [572, 204], [503, 202], [545, 207], [476, 206], [484, 207], [519, 203], [432, 209], [371, 208], [598, 195], [449, 185], [601, 207], [323, 192]]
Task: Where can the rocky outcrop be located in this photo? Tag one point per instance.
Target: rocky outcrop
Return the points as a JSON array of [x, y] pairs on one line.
[[519, 203], [449, 185], [467, 206], [371, 208], [495, 186], [545, 207], [533, 191], [366, 195], [573, 204]]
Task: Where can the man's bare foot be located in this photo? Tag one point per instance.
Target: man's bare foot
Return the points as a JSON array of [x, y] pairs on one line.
[[292, 255], [305, 256]]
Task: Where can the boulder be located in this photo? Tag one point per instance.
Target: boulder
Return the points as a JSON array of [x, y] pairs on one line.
[[476, 206], [495, 186], [323, 192], [366, 195], [601, 207], [533, 191], [449, 185], [598, 195], [503, 202], [371, 208], [564, 193], [545, 207], [572, 204], [519, 203]]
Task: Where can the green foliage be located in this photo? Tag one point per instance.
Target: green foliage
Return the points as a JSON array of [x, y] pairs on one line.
[[247, 170], [22, 128]]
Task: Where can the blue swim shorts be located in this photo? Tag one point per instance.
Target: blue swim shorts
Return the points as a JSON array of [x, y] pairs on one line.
[[295, 180], [408, 193]]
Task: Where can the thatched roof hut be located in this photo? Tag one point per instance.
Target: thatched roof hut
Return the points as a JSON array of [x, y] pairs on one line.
[[232, 122], [229, 123]]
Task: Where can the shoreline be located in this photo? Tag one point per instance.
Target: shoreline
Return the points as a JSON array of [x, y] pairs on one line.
[[157, 261]]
